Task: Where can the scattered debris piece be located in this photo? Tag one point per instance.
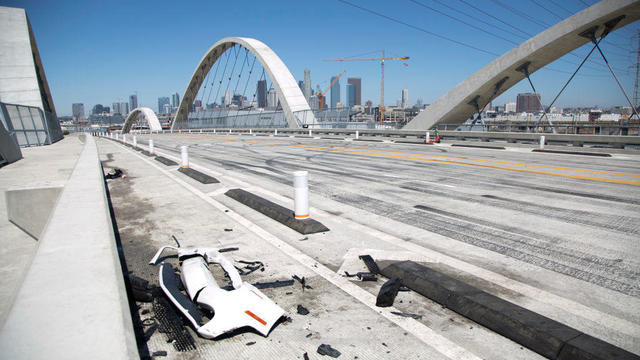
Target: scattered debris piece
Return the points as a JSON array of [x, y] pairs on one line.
[[415, 316], [350, 275], [370, 263], [140, 288], [302, 282], [367, 276], [147, 333], [288, 293], [224, 250], [202, 289], [304, 238], [302, 310], [305, 356], [250, 266], [144, 312], [403, 288], [116, 173], [171, 325], [388, 292], [326, 349], [176, 240], [250, 343], [309, 335], [274, 284], [228, 229], [385, 345], [159, 353]]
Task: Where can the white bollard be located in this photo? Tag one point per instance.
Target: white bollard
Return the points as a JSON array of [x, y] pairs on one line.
[[301, 194], [542, 142], [310, 132], [427, 137], [275, 132], [117, 136], [357, 134], [250, 132], [200, 131], [124, 138], [151, 147], [135, 142], [214, 131], [229, 131], [185, 156]]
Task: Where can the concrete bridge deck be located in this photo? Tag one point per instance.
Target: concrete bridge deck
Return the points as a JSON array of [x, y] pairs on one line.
[[554, 233]]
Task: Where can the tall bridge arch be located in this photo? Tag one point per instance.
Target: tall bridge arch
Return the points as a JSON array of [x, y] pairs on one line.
[[289, 93], [461, 102], [145, 113]]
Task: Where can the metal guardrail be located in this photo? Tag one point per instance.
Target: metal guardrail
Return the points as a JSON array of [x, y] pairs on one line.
[[419, 136]]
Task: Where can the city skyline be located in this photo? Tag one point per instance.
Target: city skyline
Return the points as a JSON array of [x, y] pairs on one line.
[[72, 50]]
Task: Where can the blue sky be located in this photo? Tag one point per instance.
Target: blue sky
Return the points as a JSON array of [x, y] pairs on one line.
[[103, 51]]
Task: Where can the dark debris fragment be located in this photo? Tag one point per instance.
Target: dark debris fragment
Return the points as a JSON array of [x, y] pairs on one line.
[[326, 349], [159, 353], [302, 310], [388, 292], [415, 316]]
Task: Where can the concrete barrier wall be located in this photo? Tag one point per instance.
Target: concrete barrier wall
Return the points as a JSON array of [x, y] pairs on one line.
[[73, 303]]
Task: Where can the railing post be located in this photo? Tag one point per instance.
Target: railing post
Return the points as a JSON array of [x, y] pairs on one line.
[[301, 194]]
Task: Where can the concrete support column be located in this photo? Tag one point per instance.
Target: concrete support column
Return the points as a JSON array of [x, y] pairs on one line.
[[185, 156], [301, 194]]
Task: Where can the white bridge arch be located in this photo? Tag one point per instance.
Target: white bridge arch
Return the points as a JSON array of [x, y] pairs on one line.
[[145, 113], [291, 97], [461, 102]]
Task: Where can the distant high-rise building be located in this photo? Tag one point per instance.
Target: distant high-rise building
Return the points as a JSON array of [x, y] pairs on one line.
[[357, 84], [335, 92], [307, 84], [313, 102], [133, 102], [124, 108], [528, 102], [115, 108], [162, 101], [98, 109], [272, 99], [510, 107], [166, 108], [262, 93], [175, 100], [227, 98], [77, 110], [405, 98], [351, 95]]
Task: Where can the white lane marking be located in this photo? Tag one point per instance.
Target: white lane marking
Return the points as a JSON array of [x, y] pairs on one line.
[[217, 192], [419, 330], [575, 308]]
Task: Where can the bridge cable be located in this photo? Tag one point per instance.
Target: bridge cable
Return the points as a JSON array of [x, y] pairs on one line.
[[524, 68], [222, 77], [547, 10], [544, 113], [614, 75], [246, 85], [204, 90], [233, 69]]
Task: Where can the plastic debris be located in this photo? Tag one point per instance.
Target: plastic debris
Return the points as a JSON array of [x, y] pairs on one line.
[[242, 306], [415, 316], [370, 263], [326, 349], [116, 173], [388, 292], [159, 353], [250, 343], [274, 284], [302, 310]]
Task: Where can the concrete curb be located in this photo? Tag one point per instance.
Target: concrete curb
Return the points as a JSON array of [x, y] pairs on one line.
[[73, 302], [572, 152], [545, 336], [165, 161], [479, 146], [197, 175], [276, 212]]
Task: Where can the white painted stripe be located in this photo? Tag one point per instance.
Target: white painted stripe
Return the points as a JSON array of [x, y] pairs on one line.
[[217, 192], [421, 331]]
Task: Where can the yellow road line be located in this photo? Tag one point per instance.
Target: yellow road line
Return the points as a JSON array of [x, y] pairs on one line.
[[422, 157]]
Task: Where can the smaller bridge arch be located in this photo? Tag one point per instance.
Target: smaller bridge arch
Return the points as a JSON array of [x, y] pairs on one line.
[[289, 93], [144, 113]]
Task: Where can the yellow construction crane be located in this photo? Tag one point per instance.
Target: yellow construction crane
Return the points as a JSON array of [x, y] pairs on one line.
[[320, 95], [382, 60]]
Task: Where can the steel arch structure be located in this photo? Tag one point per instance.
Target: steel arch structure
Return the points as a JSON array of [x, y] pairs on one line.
[[145, 113], [459, 104], [290, 95]]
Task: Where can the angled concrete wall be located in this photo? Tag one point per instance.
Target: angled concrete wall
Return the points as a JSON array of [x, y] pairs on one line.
[[22, 77], [289, 93], [501, 74]]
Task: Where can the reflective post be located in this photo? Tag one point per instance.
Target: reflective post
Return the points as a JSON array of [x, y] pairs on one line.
[[135, 142], [275, 132], [357, 134], [124, 138], [542, 142], [185, 156], [151, 147], [301, 194], [310, 132], [427, 137]]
